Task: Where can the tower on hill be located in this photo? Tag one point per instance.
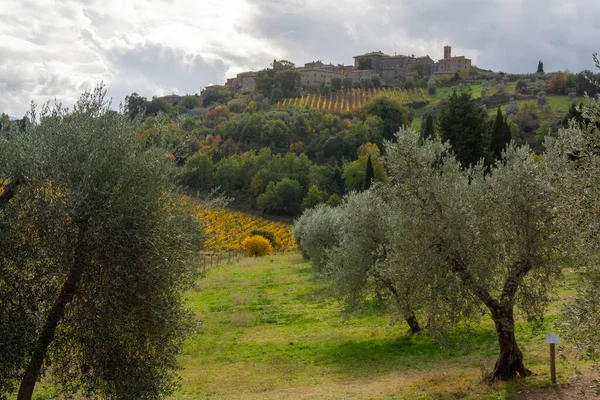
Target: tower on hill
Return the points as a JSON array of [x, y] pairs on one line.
[[447, 52]]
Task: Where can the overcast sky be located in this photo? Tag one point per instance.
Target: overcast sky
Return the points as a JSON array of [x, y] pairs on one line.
[[59, 48]]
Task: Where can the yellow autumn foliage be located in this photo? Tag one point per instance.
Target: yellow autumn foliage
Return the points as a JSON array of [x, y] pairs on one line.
[[225, 229], [345, 101], [257, 246]]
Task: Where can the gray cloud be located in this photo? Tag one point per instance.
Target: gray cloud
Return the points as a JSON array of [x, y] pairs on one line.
[[58, 48], [509, 35]]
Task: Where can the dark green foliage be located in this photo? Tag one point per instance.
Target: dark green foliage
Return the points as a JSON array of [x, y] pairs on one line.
[[463, 123], [283, 197], [270, 236], [348, 83], [215, 96], [500, 135], [428, 131], [135, 104], [575, 113], [157, 105], [369, 174], [190, 102], [198, 171], [281, 80], [336, 83], [391, 112], [585, 83]]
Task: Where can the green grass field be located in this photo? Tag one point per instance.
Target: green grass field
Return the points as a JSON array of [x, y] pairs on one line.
[[269, 331]]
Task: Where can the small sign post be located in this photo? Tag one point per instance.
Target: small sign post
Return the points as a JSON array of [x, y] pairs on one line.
[[552, 339]]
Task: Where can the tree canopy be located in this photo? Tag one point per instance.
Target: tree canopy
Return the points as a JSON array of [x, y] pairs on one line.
[[463, 123], [96, 253], [281, 77], [450, 241]]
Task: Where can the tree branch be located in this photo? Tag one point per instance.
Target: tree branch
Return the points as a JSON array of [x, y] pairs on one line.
[[10, 189], [515, 277], [467, 278]]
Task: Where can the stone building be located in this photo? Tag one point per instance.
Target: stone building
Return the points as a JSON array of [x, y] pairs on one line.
[[315, 76], [358, 74], [246, 82], [374, 57], [450, 65], [172, 98], [393, 69]]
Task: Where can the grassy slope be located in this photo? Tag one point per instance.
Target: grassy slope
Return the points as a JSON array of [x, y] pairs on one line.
[[270, 332]]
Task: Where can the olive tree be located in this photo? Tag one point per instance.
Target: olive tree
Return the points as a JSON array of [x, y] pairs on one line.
[[95, 253], [581, 198], [353, 264], [316, 232], [491, 233]]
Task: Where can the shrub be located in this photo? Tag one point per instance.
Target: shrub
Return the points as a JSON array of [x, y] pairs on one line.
[[431, 87], [541, 98], [257, 246], [521, 86], [270, 236], [217, 112]]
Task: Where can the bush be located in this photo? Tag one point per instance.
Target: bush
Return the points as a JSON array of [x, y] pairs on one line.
[[521, 86], [257, 246], [541, 98], [431, 87], [270, 236]]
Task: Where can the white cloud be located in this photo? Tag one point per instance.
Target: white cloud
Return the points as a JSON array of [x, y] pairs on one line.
[[58, 48]]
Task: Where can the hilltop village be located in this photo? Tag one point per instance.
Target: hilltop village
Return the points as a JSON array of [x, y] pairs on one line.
[[391, 69]]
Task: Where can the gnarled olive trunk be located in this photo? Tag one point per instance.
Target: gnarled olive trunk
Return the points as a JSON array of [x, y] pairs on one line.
[[409, 315], [509, 364], [55, 315], [413, 323]]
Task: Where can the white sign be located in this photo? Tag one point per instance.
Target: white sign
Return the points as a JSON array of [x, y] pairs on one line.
[[552, 338]]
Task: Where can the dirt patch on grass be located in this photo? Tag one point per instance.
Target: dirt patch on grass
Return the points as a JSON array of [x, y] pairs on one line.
[[241, 299], [582, 387], [243, 319]]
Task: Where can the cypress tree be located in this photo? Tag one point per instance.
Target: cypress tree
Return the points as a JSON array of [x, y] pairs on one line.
[[370, 174], [429, 130], [463, 122], [499, 135]]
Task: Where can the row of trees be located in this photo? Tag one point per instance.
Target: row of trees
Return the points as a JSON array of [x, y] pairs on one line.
[[442, 241]]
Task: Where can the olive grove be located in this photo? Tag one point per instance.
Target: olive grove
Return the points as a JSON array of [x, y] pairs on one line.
[[446, 242]]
